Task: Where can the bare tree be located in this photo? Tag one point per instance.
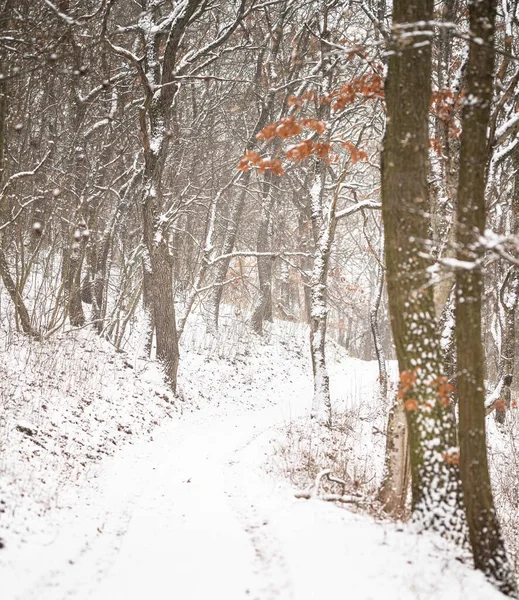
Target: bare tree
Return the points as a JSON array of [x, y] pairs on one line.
[[487, 545]]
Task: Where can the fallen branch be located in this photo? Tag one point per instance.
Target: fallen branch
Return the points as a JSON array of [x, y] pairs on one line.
[[313, 490]]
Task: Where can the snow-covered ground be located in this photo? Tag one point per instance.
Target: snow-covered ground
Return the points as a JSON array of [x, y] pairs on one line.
[[108, 491]]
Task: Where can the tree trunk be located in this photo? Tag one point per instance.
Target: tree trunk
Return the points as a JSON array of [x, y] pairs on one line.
[[509, 297], [485, 537], [375, 332], [263, 309], [19, 305], [397, 472], [158, 276], [304, 265], [221, 268], [323, 223], [436, 493]]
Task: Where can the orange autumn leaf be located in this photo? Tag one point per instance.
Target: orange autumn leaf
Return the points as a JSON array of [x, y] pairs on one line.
[[368, 86], [355, 154], [322, 149], [288, 127], [300, 151], [309, 96], [444, 390], [276, 167], [253, 159], [268, 133], [294, 101], [435, 145], [407, 379], [444, 401], [500, 405], [273, 165], [411, 404], [452, 458], [314, 124], [297, 101]]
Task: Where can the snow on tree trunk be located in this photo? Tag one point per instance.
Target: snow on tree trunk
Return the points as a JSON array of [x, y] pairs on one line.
[[157, 72], [20, 308], [436, 489], [485, 536], [375, 331], [323, 223]]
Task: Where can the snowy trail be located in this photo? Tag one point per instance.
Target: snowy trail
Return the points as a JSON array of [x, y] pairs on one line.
[[186, 537], [192, 515], [172, 518]]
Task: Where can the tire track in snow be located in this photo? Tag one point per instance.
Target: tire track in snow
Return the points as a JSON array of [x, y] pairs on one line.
[[247, 490]]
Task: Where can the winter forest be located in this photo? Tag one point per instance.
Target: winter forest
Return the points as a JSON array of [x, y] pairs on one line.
[[259, 267]]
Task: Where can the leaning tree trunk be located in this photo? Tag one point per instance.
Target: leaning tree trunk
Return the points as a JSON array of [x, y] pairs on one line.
[[395, 481], [436, 489], [485, 537], [21, 310]]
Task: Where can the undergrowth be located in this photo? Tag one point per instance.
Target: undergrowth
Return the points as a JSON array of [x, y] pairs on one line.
[[352, 449]]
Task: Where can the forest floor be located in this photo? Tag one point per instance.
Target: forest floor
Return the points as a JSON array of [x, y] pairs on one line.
[[111, 490]]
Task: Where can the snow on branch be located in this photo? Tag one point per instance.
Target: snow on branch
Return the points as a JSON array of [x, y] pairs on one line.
[[455, 264], [225, 33], [376, 22], [68, 20], [256, 254], [350, 210], [492, 401], [22, 174], [507, 129], [124, 52], [313, 490], [169, 22]]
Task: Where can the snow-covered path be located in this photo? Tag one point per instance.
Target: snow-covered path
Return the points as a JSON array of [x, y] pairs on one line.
[[188, 536], [172, 518], [193, 515]]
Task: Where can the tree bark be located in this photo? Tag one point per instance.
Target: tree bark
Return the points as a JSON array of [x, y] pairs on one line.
[[263, 309], [375, 332], [12, 289], [436, 489], [484, 531], [509, 297], [395, 482], [215, 296]]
